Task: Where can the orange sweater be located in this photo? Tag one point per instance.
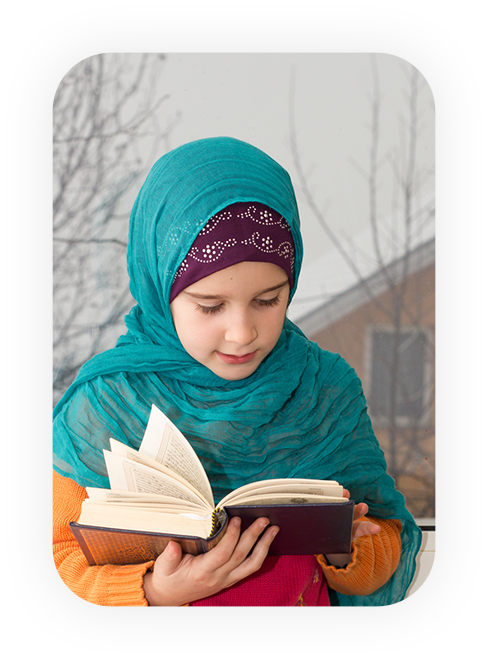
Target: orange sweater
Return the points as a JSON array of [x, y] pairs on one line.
[[116, 585]]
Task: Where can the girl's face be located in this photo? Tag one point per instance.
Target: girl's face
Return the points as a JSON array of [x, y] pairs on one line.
[[231, 320]]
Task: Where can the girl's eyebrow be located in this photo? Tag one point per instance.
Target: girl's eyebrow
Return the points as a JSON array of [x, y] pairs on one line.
[[221, 297]]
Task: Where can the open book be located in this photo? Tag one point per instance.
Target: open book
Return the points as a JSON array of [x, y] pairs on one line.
[[161, 493]]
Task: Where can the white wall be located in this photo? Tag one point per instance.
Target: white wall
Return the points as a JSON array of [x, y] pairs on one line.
[[425, 561]]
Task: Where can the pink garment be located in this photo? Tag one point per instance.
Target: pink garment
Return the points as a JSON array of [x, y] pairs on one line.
[[281, 581]]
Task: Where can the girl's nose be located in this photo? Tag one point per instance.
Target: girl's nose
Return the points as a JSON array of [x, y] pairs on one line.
[[240, 329]]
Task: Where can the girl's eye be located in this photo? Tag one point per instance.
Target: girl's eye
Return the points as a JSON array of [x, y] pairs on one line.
[[268, 303], [260, 303], [208, 310]]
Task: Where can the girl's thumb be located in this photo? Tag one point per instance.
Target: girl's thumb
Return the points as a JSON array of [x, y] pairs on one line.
[[170, 558]]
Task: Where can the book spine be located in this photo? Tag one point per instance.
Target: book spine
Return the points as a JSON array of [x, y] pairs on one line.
[[218, 517]]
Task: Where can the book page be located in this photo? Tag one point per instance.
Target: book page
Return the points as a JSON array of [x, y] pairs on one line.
[[305, 486], [136, 456], [125, 474], [120, 517], [276, 499], [136, 498], [164, 443]]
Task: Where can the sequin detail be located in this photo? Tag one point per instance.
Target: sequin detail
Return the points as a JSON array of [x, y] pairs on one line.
[[243, 231]]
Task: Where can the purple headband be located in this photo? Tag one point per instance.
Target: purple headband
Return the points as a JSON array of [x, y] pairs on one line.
[[246, 231]]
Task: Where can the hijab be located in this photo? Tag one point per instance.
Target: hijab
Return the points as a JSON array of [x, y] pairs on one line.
[[302, 413]]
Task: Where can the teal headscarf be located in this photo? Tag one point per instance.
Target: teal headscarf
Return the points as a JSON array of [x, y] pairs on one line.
[[302, 413]]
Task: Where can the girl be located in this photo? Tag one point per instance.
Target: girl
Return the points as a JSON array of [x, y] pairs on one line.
[[213, 258]]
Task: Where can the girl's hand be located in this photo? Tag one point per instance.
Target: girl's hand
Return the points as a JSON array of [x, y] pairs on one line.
[[358, 529], [179, 578]]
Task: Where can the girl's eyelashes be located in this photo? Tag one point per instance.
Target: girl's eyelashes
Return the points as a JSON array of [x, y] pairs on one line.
[[206, 310], [218, 307], [268, 303]]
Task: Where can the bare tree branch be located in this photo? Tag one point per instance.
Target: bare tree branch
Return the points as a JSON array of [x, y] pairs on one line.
[[320, 215], [105, 115]]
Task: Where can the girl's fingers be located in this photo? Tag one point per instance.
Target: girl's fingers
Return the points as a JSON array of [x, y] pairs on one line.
[[253, 562], [360, 510], [169, 560], [248, 539], [234, 547], [222, 553]]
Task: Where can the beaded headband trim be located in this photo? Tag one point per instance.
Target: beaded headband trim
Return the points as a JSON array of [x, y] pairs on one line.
[[245, 231]]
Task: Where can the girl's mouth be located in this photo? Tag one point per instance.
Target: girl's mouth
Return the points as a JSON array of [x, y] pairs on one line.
[[236, 359]]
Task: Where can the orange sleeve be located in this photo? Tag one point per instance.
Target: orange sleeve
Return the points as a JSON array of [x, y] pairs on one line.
[[374, 559], [107, 585]]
